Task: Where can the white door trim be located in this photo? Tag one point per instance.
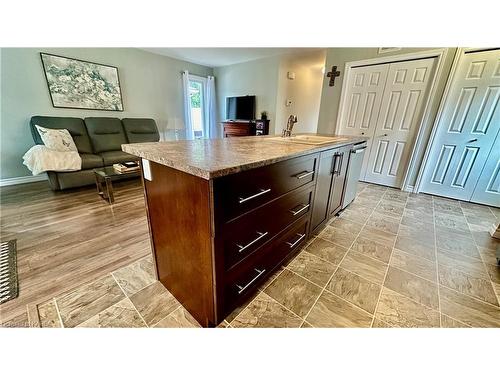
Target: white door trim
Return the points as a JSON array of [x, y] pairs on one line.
[[437, 53]]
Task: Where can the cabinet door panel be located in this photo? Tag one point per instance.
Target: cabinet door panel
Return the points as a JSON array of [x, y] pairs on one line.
[[340, 163], [323, 187]]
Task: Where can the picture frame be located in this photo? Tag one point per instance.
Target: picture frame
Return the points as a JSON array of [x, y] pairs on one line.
[[80, 84]]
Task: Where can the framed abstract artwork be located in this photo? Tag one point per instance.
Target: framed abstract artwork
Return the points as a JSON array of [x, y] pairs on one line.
[[82, 84]]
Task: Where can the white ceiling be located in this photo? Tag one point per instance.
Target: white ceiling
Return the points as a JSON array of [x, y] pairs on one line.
[[214, 57]]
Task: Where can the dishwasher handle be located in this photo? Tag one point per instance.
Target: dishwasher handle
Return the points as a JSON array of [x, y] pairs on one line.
[[359, 150]]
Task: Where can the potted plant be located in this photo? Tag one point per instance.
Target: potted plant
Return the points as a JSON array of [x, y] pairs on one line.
[[263, 115]]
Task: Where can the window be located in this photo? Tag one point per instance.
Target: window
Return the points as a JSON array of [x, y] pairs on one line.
[[197, 90]]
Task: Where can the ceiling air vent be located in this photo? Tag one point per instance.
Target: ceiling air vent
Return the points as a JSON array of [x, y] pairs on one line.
[[388, 49]]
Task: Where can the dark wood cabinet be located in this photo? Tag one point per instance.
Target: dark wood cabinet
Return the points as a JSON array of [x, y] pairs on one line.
[[330, 185], [244, 235], [339, 170], [245, 128], [216, 241], [261, 127], [242, 282], [238, 129], [261, 218], [238, 193], [323, 188], [179, 218]]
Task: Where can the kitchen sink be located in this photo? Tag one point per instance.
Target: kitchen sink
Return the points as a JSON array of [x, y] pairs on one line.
[[308, 139]]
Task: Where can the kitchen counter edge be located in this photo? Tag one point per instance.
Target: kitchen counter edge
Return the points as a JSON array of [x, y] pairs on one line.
[[141, 150]]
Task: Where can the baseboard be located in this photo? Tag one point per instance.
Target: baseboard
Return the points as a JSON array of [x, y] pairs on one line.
[[23, 180], [409, 188]]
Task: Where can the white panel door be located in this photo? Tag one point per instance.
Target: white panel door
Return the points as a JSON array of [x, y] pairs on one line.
[[364, 95], [405, 95], [487, 190], [467, 128]]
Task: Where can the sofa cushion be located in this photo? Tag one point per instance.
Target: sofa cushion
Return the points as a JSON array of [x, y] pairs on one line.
[[57, 139], [75, 126], [106, 133], [140, 130], [91, 161], [112, 157]]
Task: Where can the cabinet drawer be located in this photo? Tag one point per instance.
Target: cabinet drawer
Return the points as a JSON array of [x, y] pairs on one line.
[[246, 234], [237, 131], [238, 193], [244, 280]]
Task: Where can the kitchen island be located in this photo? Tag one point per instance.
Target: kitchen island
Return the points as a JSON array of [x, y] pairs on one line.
[[225, 213]]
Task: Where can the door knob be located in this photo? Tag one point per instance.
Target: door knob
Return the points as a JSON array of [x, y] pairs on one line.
[[472, 140], [383, 135]]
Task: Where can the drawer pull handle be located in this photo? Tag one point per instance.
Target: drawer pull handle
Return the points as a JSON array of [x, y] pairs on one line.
[[259, 274], [301, 236], [243, 248], [295, 213], [305, 174], [262, 192]]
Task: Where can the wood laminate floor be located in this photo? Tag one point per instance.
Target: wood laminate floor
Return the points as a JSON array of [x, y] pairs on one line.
[[65, 239], [391, 259]]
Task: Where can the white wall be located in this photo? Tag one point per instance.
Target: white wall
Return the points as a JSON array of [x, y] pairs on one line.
[[151, 87], [257, 77], [267, 79], [304, 91]]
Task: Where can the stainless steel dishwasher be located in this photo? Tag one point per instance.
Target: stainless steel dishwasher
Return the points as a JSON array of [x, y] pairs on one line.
[[353, 172]]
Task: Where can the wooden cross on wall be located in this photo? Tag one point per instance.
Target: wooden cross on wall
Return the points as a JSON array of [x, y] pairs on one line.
[[332, 75]]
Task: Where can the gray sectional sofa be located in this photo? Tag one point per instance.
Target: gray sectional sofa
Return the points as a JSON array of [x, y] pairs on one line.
[[98, 140]]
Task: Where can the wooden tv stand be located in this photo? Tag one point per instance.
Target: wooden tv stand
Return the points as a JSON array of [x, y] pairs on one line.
[[245, 128]]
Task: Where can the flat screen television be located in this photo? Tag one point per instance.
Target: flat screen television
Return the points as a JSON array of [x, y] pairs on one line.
[[240, 107]]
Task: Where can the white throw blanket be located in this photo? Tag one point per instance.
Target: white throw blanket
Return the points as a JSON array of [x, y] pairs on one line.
[[40, 159]]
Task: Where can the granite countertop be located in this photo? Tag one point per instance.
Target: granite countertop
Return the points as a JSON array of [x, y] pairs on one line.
[[211, 158]]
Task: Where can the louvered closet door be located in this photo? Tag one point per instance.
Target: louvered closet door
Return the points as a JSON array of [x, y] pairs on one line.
[[467, 130], [403, 103], [364, 95]]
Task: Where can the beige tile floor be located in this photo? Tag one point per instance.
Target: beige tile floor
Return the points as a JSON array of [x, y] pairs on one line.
[[392, 259]]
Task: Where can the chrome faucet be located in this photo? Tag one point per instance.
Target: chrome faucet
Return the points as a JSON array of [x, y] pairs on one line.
[[289, 126]]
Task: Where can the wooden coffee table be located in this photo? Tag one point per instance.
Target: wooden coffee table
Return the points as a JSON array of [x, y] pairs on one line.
[[104, 178]]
